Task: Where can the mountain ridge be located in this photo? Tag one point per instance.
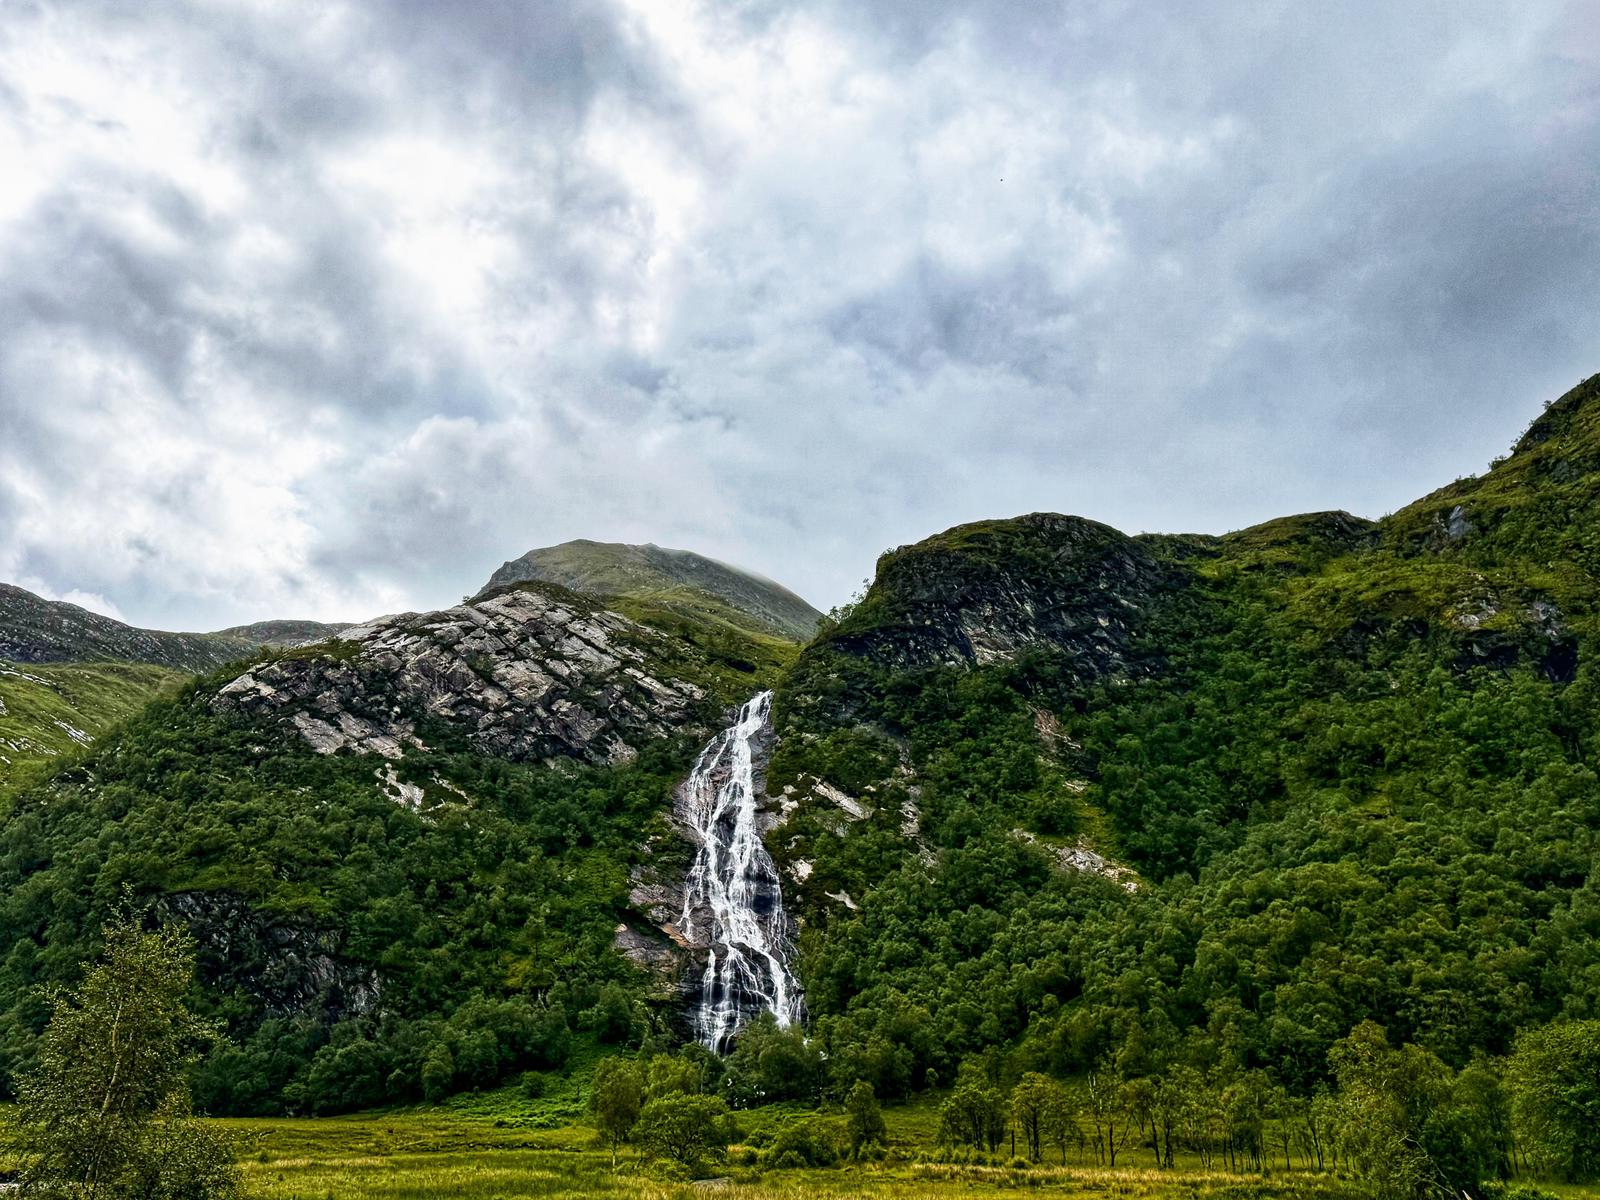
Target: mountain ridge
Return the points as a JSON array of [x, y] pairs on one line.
[[36, 630], [651, 573]]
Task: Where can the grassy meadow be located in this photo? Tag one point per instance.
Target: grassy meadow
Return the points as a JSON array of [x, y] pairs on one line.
[[51, 709], [503, 1145], [444, 1154]]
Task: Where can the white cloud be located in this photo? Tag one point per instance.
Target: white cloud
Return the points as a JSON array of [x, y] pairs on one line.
[[325, 313]]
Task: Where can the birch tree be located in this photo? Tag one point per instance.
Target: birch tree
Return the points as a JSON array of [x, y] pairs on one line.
[[105, 1112]]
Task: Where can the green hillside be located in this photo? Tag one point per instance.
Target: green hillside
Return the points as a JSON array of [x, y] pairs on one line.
[[1353, 765], [51, 709], [355, 911], [68, 674], [671, 584]]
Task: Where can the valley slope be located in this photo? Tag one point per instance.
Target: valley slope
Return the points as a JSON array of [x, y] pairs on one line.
[[36, 630], [68, 674]]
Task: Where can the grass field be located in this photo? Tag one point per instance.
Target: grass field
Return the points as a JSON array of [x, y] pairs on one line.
[[54, 709], [479, 1148], [500, 1145], [423, 1155]]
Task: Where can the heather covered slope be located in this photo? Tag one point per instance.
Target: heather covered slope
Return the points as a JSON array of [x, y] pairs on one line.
[[36, 630], [68, 674]]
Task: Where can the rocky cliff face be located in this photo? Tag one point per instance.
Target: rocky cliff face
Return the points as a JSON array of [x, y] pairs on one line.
[[532, 673], [289, 967], [984, 593]]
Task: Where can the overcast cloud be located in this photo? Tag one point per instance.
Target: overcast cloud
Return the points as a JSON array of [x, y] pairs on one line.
[[325, 310]]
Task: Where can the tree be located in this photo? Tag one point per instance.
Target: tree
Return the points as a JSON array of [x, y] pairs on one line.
[[613, 1017], [1404, 1124], [1379, 1101], [616, 1098], [975, 1113], [438, 1072], [863, 1120], [811, 1143], [105, 1113], [668, 1075], [1036, 1103], [687, 1129], [1172, 1102], [1555, 1097], [1107, 1110], [1287, 1114], [1244, 1103], [1061, 1123], [1482, 1115], [770, 1063]]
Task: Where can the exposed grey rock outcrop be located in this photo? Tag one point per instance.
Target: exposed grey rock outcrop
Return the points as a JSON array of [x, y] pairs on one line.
[[1083, 858], [291, 966], [532, 673], [986, 593]]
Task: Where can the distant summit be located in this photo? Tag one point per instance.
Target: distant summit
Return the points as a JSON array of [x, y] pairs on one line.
[[679, 580], [282, 633], [36, 630]]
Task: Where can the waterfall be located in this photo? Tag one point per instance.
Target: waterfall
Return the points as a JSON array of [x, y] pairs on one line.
[[733, 891]]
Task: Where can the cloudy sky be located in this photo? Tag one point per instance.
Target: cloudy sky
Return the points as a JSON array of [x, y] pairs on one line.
[[326, 309]]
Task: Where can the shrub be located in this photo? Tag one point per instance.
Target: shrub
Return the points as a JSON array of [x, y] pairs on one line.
[[863, 1119], [809, 1143], [685, 1129]]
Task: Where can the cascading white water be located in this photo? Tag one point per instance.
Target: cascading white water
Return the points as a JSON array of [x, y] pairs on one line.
[[733, 889]]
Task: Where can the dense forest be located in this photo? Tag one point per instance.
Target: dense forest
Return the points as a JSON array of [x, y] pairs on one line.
[[1291, 830]]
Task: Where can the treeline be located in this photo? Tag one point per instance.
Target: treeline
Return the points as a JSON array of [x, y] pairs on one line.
[[681, 1107], [297, 1067], [1397, 1118]]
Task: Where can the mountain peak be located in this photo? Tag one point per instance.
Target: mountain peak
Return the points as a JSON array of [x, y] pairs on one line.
[[1575, 413], [663, 575]]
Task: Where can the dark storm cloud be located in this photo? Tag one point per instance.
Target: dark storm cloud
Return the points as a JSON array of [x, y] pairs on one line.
[[328, 310]]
